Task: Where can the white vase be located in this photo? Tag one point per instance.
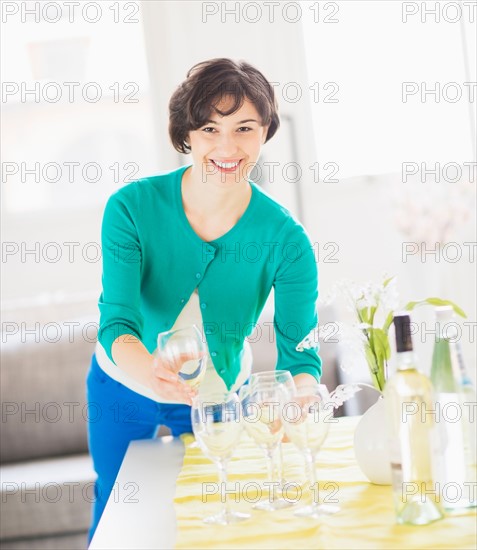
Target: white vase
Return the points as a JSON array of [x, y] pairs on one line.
[[371, 444]]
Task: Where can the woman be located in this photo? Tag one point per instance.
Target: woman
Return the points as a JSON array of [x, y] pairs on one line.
[[200, 244]]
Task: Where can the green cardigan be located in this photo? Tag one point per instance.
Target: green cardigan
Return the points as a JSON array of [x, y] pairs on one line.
[[153, 260]]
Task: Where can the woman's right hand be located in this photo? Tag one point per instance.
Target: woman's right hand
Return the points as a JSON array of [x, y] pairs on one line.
[[168, 384]]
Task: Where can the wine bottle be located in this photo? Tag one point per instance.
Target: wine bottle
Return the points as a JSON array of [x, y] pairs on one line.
[[455, 406], [410, 414]]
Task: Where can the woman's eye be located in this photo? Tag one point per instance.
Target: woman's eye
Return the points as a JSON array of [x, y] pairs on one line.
[[213, 130]]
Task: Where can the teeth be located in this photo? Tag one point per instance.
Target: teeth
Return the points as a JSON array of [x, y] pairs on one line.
[[226, 164]]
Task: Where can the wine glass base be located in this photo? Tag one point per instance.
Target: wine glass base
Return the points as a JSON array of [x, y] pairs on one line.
[[317, 511], [226, 518]]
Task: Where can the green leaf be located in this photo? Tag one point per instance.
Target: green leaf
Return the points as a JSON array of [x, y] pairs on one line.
[[370, 358], [363, 315], [372, 312], [436, 302], [382, 349], [388, 322], [375, 352], [387, 281]]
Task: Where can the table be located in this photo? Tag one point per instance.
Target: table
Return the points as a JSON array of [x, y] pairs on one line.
[[140, 513], [365, 521]]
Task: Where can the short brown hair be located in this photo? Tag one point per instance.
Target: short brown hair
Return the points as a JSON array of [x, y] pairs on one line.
[[207, 83]]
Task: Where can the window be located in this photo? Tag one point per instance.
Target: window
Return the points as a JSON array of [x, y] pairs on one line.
[[387, 58], [77, 121]]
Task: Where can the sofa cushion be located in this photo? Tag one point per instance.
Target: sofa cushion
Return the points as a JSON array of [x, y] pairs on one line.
[[42, 388], [74, 541], [44, 497]]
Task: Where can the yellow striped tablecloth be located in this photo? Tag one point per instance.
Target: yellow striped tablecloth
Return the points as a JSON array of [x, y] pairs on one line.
[[366, 519]]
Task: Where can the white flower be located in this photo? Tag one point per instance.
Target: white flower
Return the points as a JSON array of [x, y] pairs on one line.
[[352, 341], [350, 291], [370, 297], [390, 296]]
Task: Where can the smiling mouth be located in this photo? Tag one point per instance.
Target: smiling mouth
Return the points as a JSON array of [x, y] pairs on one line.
[[226, 167]]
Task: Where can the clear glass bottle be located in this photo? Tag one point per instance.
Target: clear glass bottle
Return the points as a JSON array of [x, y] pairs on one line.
[[412, 434], [455, 405]]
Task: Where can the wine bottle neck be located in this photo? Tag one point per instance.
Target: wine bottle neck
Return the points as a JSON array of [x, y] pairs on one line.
[[405, 360]]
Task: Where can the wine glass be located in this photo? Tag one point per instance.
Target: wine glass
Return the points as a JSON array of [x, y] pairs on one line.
[[261, 409], [285, 378], [306, 419], [279, 376], [184, 351], [216, 422]]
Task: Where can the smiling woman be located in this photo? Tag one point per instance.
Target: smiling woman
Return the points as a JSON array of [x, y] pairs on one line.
[[222, 114], [203, 245]]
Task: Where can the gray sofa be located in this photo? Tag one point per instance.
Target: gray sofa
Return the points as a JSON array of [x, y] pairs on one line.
[[46, 473]]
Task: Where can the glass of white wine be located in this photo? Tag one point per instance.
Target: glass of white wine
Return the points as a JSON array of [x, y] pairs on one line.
[[261, 405], [217, 425], [284, 378], [185, 352], [306, 418]]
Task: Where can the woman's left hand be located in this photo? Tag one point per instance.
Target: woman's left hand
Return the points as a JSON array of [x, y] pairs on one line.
[[302, 379]]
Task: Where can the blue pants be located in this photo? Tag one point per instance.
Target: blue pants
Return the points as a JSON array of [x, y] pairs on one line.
[[118, 415]]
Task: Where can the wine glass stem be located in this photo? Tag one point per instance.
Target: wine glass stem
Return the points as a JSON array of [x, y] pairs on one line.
[[310, 464], [271, 473], [281, 478], [222, 466]]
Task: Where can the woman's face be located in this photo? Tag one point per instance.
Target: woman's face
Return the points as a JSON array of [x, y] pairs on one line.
[[233, 140]]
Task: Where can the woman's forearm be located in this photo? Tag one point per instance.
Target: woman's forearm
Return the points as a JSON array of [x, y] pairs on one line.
[[131, 356]]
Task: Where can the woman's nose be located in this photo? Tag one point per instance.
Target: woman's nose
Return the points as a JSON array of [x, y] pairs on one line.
[[227, 145]]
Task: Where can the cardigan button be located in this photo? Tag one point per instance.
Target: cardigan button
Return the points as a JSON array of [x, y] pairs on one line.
[[213, 354], [203, 305], [198, 275]]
